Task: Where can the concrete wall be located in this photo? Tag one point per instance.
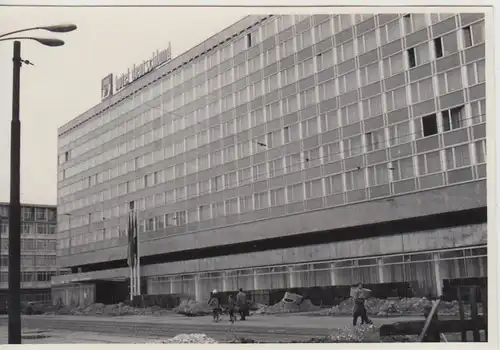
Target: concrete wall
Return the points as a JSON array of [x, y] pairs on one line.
[[446, 199], [405, 243]]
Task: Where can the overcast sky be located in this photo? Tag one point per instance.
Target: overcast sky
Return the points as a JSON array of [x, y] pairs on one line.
[[65, 81]]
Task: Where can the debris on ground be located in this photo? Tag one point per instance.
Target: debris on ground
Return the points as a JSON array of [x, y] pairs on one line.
[[193, 308], [398, 307], [99, 309], [192, 338], [290, 303]]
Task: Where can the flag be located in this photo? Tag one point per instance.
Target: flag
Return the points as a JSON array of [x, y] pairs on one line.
[[136, 238], [131, 248]]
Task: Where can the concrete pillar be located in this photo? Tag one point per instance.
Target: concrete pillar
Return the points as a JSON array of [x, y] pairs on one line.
[[380, 263], [437, 274], [224, 281], [197, 289], [255, 280], [333, 279], [482, 267], [292, 277], [171, 279]]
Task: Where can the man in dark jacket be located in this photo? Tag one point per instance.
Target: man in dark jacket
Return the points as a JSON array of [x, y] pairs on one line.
[[359, 310], [241, 302], [231, 306]]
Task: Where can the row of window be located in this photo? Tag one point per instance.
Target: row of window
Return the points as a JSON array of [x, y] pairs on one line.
[[416, 56], [355, 145], [39, 245], [401, 169], [31, 214], [28, 276], [388, 33], [30, 260], [31, 228]]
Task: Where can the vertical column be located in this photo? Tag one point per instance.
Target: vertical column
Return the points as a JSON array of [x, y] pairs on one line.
[[437, 274], [197, 289], [171, 279], [333, 277], [255, 280], [224, 281], [380, 264], [291, 276]]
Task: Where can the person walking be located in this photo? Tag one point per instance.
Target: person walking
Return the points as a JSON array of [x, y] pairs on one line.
[[231, 304], [241, 302], [359, 310], [214, 303]]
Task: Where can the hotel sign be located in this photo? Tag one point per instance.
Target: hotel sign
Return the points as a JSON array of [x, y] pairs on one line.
[[107, 87], [137, 71]]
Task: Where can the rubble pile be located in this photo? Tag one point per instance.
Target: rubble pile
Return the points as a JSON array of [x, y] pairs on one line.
[[192, 338], [99, 309], [193, 308], [398, 307], [290, 303]]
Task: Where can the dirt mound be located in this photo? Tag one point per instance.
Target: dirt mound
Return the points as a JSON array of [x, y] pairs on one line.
[[193, 308], [106, 310], [398, 307], [290, 303], [186, 339]]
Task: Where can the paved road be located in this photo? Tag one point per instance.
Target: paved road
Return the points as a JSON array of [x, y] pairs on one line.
[[257, 327]]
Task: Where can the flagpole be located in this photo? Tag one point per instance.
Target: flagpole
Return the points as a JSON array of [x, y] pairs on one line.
[[138, 262]]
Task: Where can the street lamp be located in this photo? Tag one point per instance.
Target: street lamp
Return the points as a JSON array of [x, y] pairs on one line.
[[15, 167]]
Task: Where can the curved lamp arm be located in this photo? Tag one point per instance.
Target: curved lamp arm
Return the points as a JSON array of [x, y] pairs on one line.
[[59, 28], [43, 41], [20, 31]]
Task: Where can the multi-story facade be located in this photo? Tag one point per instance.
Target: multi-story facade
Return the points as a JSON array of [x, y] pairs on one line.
[[38, 251], [288, 151]]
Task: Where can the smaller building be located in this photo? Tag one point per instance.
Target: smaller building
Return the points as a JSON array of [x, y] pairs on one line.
[[38, 251]]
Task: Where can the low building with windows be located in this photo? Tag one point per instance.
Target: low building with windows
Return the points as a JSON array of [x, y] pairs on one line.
[[38, 251], [287, 151]]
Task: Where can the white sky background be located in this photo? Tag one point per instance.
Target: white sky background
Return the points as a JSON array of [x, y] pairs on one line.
[[65, 81]]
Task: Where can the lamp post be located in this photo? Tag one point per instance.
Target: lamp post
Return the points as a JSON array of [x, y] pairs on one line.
[[14, 327]]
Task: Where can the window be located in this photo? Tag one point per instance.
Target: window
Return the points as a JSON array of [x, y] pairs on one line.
[[372, 106], [414, 22], [204, 212], [229, 128], [226, 78], [218, 210], [476, 72], [306, 68], [246, 204], [242, 123], [422, 90], [327, 90], [367, 42], [249, 40], [402, 169], [240, 97], [245, 176], [429, 163], [478, 111], [276, 167], [438, 47], [231, 179], [390, 32], [312, 158], [273, 110], [393, 65], [231, 206], [204, 187], [450, 81], [412, 62], [259, 172], [261, 200], [269, 29], [350, 114], [453, 118], [291, 133], [180, 193], [244, 149], [348, 82], [345, 51], [288, 76], [458, 157], [284, 22], [331, 152], [310, 127], [342, 22], [293, 163], [370, 74], [277, 197], [375, 140], [295, 193], [286, 48], [274, 139], [378, 175], [290, 104], [355, 180], [396, 99], [269, 57], [334, 184], [352, 146], [257, 117], [217, 183], [324, 60], [323, 31], [314, 188], [271, 83], [477, 33], [307, 98], [480, 151], [400, 133], [304, 39], [254, 64]]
